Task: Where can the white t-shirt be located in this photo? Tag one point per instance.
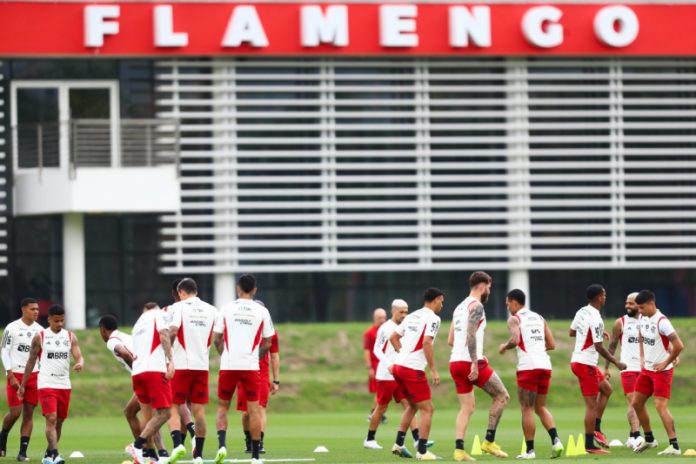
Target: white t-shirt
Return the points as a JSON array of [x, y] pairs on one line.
[[243, 324], [630, 349], [54, 361], [16, 345], [149, 354], [589, 326], [384, 350], [655, 331], [460, 320], [116, 339], [531, 351], [414, 328], [195, 320]]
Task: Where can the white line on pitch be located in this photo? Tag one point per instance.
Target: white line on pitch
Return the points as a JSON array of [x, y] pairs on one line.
[[264, 460]]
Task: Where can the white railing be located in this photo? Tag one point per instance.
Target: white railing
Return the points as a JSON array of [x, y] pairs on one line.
[[3, 182]]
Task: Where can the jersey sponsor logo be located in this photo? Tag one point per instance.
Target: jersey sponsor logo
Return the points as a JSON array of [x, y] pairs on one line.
[[57, 355], [649, 341], [23, 348], [632, 340]]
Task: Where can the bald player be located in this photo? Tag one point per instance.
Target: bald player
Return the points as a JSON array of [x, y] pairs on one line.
[[379, 315]]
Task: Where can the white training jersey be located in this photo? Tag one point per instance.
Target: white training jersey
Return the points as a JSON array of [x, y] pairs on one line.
[[655, 330], [630, 349], [118, 338], [195, 320], [16, 345], [243, 324], [589, 326], [384, 350], [148, 351], [54, 359], [460, 321], [414, 328], [531, 351]]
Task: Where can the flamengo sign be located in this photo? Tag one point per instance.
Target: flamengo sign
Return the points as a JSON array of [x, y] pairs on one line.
[[356, 28]]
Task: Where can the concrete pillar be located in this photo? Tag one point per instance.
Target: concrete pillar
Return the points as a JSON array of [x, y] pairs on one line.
[[519, 278], [225, 289], [74, 271]]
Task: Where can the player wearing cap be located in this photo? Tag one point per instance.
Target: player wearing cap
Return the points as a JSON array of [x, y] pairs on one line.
[[656, 335], [469, 367], [532, 338], [52, 348], [16, 344], [588, 329], [413, 340], [242, 335]]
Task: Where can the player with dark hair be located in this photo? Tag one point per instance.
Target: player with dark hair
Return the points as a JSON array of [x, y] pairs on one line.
[[52, 348], [413, 340], [16, 344], [469, 367], [588, 329], [532, 338], [656, 336]]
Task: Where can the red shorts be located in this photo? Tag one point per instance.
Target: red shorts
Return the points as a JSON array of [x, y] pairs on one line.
[[655, 383], [153, 388], [249, 380], [190, 384], [372, 385], [264, 393], [589, 378], [31, 394], [459, 370], [628, 381], [388, 389], [413, 383], [55, 401], [535, 380]]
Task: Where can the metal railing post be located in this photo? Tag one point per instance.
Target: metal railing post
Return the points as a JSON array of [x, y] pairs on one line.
[[177, 148], [148, 145], [39, 148]]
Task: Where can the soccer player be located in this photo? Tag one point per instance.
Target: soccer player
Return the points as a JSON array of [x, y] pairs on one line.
[[153, 368], [413, 340], [532, 337], [191, 322], [379, 315], [625, 331], [588, 329], [120, 345], [469, 367], [52, 347], [656, 336], [242, 335], [16, 344]]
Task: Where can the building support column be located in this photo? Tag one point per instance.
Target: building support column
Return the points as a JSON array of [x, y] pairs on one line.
[[74, 286], [224, 290], [519, 278]]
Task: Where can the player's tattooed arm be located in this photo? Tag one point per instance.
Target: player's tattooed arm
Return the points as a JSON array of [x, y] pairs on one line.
[[166, 343], [677, 347], [31, 362], [475, 316], [495, 388], [218, 342], [76, 353], [514, 329], [265, 347], [615, 337]]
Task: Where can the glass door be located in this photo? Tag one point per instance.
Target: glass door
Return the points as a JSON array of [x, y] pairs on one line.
[[91, 131], [37, 129]]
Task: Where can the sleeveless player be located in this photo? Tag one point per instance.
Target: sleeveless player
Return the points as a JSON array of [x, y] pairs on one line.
[[191, 322], [656, 335], [469, 367], [153, 367], [120, 345], [413, 340], [387, 388], [532, 338], [588, 329], [52, 347], [242, 335], [16, 344], [625, 331]]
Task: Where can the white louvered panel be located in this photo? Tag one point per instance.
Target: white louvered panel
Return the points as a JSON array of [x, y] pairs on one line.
[[3, 182]]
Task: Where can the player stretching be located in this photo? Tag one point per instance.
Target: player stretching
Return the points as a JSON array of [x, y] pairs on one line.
[[656, 333], [413, 340], [532, 337], [120, 344], [52, 347], [191, 322], [379, 315], [16, 344], [387, 388], [242, 335], [588, 329], [153, 368], [625, 331], [468, 367]]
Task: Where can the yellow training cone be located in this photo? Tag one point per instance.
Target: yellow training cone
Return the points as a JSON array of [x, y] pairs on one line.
[[476, 447], [690, 452], [524, 446], [580, 446], [570, 449]]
